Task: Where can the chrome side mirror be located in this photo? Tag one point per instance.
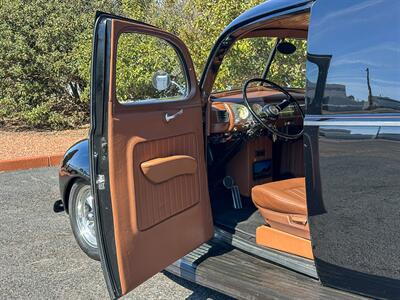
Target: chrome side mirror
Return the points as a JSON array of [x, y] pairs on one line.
[[161, 81]]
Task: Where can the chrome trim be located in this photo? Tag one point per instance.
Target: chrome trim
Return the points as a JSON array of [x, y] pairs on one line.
[[169, 117], [353, 123]]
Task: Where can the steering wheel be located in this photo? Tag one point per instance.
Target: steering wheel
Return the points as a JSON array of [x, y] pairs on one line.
[[270, 112]]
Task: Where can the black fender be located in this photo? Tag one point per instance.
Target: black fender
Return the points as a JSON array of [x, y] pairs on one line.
[[74, 166]]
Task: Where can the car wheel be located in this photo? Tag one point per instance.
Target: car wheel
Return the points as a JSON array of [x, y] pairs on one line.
[[82, 219]]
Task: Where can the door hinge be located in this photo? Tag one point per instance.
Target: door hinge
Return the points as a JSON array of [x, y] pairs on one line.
[[101, 182]]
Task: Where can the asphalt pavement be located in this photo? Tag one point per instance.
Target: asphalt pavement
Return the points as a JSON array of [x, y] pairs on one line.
[[39, 258]]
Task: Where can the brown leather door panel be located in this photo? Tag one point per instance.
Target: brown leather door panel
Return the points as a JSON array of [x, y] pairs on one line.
[[155, 221], [161, 201]]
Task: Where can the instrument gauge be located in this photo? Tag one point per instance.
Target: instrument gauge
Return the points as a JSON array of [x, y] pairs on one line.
[[243, 112]]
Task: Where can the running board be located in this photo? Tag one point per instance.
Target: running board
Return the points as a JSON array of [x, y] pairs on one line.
[[228, 270]]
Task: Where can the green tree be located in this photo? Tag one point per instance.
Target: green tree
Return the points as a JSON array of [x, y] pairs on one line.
[[197, 22], [46, 51], [139, 57], [248, 57], [40, 65]]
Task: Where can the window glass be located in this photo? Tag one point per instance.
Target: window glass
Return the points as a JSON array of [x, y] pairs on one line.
[[362, 41], [148, 69], [312, 77], [248, 58]]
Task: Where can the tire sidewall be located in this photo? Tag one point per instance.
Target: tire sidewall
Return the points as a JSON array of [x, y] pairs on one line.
[[90, 251]]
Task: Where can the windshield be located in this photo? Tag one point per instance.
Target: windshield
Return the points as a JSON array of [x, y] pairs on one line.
[[248, 58]]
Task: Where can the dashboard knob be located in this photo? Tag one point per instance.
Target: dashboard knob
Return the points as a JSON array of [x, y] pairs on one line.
[[271, 110]]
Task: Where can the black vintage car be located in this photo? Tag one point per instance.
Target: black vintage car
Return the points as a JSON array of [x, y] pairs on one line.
[[276, 186]]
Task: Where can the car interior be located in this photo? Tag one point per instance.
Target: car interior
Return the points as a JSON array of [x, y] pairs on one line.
[[255, 145]]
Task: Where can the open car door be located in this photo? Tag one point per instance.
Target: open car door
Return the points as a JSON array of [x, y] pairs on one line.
[[148, 168]]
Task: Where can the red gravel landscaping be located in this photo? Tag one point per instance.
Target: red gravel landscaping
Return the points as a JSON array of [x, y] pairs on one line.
[[37, 143]]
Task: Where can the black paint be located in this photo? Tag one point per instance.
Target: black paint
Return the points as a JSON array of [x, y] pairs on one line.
[[352, 158]]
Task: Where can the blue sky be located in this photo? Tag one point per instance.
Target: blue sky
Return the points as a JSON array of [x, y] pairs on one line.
[[359, 35]]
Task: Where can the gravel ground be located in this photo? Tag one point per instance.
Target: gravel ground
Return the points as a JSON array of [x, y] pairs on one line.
[[37, 143], [39, 258]]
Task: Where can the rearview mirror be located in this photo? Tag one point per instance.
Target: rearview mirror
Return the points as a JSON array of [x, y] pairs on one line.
[[286, 48], [161, 81]]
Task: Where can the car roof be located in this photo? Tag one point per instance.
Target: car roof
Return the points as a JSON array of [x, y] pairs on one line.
[[266, 8]]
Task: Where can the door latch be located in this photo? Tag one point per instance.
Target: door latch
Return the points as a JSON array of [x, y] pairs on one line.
[[101, 182]]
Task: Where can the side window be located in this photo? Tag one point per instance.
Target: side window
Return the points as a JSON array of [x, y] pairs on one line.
[[148, 69], [362, 42], [312, 79]]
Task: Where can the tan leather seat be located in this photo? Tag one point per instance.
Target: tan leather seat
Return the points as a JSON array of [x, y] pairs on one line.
[[283, 205]]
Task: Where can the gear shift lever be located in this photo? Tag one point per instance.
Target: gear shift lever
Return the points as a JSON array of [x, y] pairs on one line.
[[229, 183]]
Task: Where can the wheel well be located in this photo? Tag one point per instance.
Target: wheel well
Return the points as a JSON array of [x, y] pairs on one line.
[[68, 191]]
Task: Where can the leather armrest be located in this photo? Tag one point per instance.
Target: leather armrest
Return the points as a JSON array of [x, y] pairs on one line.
[[162, 169]]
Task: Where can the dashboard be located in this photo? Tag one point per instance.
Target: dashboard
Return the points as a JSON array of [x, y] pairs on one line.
[[230, 114]]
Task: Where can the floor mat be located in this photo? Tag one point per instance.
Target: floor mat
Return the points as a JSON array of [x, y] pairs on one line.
[[242, 220], [238, 221]]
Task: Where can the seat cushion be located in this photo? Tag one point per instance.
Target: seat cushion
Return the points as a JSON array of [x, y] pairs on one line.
[[285, 196], [283, 206]]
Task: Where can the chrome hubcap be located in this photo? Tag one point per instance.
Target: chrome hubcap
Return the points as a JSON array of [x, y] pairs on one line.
[[85, 216]]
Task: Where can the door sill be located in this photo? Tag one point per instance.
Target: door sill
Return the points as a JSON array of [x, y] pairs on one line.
[[292, 262]]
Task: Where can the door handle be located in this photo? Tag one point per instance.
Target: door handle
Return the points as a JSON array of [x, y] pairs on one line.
[[169, 117]]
